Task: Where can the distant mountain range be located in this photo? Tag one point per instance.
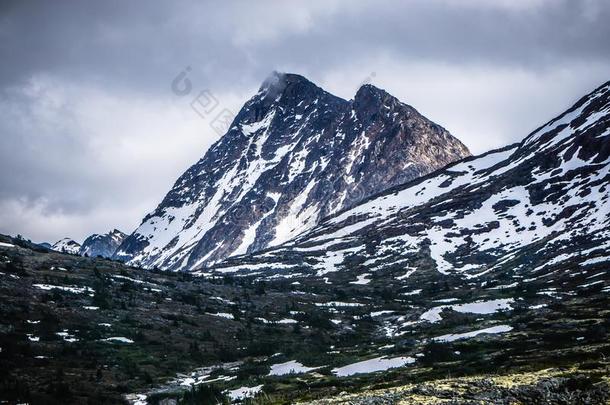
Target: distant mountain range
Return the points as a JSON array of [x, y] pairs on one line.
[[293, 155], [104, 245]]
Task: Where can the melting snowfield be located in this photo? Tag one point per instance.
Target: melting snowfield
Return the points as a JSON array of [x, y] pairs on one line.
[[457, 336], [478, 307], [290, 367], [244, 392], [372, 365]]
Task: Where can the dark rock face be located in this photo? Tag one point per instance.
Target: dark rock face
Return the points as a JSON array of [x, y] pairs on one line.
[[293, 155], [102, 245]]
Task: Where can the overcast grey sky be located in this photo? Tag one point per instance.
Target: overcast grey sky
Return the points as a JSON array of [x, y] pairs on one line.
[[93, 136]]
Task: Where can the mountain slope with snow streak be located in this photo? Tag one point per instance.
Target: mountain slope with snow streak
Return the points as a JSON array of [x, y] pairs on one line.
[[293, 155], [66, 245], [102, 245], [522, 211]]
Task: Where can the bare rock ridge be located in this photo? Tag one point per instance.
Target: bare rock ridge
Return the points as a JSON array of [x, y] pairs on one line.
[[293, 155]]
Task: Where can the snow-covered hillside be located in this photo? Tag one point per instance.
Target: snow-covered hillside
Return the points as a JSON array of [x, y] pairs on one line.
[[66, 245]]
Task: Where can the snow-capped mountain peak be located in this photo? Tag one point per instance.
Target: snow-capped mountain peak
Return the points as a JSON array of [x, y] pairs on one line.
[[293, 155], [102, 245], [66, 245]]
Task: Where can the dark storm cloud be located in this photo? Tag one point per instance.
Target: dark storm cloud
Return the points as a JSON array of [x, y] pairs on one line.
[[138, 44], [92, 135]]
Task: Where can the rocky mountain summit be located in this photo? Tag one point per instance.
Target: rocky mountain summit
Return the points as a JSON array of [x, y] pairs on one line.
[[66, 245], [102, 245], [293, 155]]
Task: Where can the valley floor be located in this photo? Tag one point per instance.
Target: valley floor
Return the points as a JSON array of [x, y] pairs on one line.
[[77, 330]]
